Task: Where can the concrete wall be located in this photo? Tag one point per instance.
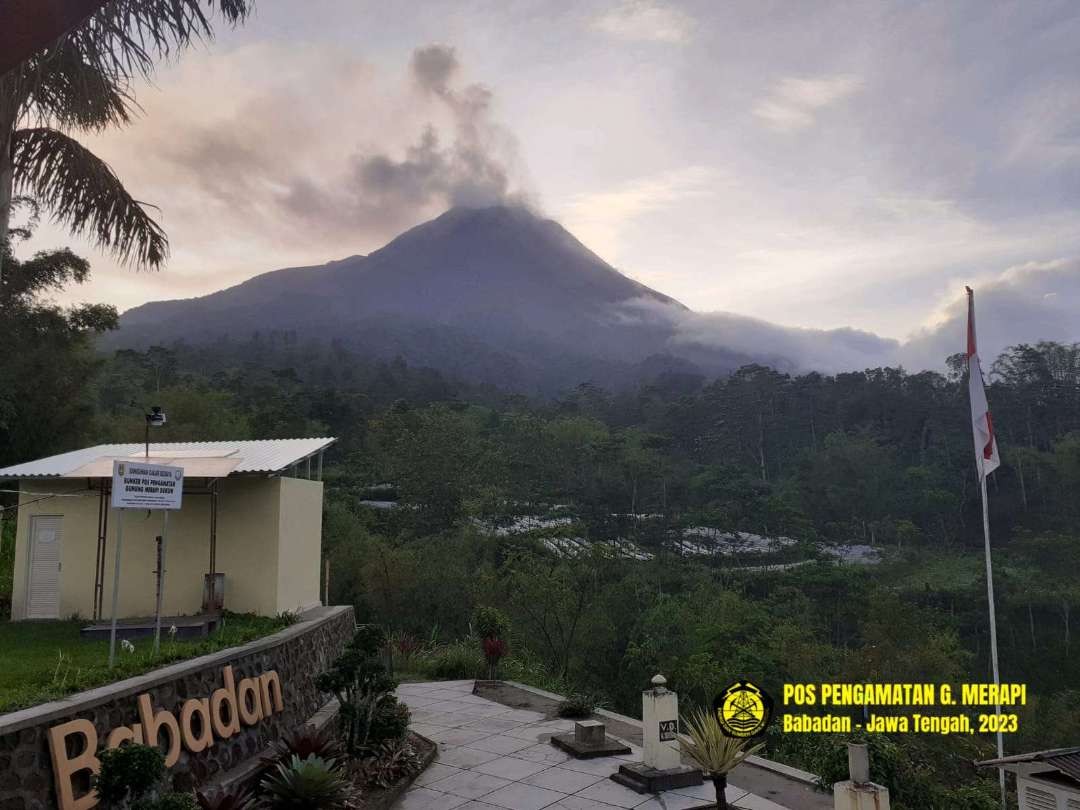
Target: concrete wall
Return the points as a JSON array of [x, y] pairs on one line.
[[298, 654], [269, 536], [299, 544]]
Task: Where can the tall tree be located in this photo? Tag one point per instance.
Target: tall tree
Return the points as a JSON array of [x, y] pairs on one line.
[[46, 401]]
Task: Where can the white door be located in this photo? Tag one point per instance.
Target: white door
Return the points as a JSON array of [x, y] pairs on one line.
[[43, 596]]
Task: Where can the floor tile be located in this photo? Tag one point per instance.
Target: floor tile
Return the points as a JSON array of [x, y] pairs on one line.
[[603, 766], [510, 768], [434, 772], [465, 757], [499, 744], [577, 803], [752, 801], [470, 784], [563, 779], [495, 724], [456, 737], [612, 793], [671, 801], [542, 752], [520, 796], [427, 799]]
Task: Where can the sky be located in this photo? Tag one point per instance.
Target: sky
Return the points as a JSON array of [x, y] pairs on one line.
[[818, 166]]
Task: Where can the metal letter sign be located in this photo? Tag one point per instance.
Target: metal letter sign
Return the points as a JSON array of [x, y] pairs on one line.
[[136, 485], [669, 730]]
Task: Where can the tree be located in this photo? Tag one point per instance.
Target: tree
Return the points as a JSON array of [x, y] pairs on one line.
[[83, 83], [48, 366]]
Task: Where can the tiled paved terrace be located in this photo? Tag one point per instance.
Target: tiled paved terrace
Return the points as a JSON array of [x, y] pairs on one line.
[[492, 756]]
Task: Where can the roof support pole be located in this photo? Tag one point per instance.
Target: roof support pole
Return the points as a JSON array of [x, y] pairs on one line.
[[99, 563], [115, 589], [320, 465], [212, 585], [308, 475], [161, 553]]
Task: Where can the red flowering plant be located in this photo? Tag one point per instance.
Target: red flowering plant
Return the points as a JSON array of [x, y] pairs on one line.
[[492, 627]]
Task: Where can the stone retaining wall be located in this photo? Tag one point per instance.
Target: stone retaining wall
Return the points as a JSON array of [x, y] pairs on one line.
[[298, 654]]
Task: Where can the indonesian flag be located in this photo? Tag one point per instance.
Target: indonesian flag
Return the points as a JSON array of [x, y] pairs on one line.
[[986, 450]]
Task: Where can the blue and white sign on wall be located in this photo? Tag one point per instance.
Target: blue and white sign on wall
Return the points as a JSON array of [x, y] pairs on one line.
[[136, 485]]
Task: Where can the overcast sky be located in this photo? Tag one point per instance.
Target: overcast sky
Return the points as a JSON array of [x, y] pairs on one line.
[[816, 165]]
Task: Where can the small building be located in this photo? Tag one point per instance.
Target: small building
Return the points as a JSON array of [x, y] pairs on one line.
[[1045, 780], [248, 537]]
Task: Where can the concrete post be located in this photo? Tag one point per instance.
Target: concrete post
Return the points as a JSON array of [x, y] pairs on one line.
[[858, 792], [660, 721]]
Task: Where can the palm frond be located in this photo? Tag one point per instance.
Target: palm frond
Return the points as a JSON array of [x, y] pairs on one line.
[[82, 191], [710, 748], [128, 36], [83, 78], [61, 88]]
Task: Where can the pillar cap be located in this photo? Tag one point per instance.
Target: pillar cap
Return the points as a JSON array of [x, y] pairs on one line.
[[659, 680]]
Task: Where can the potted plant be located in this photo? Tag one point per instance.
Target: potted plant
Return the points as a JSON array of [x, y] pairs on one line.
[[717, 754]]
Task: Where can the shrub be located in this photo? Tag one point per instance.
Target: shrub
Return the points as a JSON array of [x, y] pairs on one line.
[[489, 622], [309, 784], [364, 691], [579, 705], [170, 801], [389, 763], [494, 650], [390, 723], [224, 799], [303, 742], [129, 774], [453, 661]]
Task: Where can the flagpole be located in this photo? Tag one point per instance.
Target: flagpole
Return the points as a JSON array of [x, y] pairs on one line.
[[986, 459], [993, 631]]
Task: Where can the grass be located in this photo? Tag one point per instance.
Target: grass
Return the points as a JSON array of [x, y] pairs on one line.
[[44, 661]]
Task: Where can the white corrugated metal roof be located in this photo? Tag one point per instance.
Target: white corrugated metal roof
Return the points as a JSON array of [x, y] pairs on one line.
[[257, 456]]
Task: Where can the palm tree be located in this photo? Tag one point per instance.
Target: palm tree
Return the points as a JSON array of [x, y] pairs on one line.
[[713, 751], [83, 82]]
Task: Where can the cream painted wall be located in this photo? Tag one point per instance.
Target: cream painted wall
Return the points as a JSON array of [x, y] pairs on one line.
[[299, 544], [77, 543], [268, 546], [247, 543]]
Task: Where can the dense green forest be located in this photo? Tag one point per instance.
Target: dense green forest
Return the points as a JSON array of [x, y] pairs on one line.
[[881, 458]]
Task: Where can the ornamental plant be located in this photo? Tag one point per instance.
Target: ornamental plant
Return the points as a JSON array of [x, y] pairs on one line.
[[713, 751], [130, 775], [492, 627], [369, 711], [306, 784]]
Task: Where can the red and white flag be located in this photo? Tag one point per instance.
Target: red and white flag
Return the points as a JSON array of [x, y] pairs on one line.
[[986, 449]]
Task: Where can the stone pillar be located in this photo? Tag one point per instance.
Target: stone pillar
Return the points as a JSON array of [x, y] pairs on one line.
[[660, 726], [858, 792]]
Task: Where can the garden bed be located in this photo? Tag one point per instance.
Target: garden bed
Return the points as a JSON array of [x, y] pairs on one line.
[[384, 798], [46, 660]]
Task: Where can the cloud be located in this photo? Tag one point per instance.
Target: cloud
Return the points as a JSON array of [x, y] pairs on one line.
[[598, 218], [786, 348], [645, 21], [794, 102], [1024, 304]]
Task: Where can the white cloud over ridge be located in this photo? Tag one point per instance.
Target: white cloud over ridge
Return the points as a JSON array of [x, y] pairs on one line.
[[645, 21], [794, 102]]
